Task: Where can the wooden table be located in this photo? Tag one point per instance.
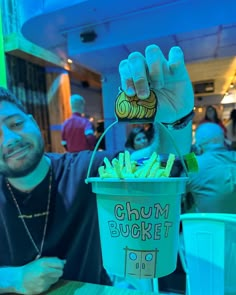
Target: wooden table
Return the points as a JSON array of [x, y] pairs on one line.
[[79, 288]]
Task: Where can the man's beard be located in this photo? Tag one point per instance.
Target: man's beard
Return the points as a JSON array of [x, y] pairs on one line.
[[28, 167]]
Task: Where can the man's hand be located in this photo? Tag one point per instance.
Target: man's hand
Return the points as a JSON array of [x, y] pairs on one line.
[[168, 78], [38, 276]]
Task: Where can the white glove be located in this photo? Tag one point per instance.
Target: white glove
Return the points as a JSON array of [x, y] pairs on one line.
[[168, 78], [38, 275]]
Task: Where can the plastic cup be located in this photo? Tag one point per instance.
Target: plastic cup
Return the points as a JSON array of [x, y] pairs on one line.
[[139, 224]]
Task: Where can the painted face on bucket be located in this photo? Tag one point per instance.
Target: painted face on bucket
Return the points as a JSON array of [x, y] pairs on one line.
[[140, 141], [21, 143]]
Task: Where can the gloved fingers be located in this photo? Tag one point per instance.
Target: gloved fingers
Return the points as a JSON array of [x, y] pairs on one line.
[[157, 66], [176, 60], [140, 77], [134, 76], [126, 79]]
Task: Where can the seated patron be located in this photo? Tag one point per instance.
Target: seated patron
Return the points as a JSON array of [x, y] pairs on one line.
[[213, 187]]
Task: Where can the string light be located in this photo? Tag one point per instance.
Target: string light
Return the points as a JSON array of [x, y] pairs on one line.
[[200, 109]]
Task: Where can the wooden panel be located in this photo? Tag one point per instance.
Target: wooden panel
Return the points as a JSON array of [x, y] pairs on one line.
[[27, 81], [18, 46], [58, 94]]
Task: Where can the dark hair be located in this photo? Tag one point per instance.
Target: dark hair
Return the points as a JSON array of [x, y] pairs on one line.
[[7, 95], [233, 118], [216, 119], [133, 133]]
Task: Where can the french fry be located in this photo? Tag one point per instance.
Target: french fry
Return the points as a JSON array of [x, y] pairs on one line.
[[101, 171], [128, 162], [107, 163], [133, 166], [138, 172], [128, 175], [169, 165], [116, 165], [123, 167], [109, 168], [154, 169], [149, 165], [104, 174], [160, 173], [121, 160]]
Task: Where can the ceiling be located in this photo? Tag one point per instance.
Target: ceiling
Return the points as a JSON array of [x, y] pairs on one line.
[[205, 30]]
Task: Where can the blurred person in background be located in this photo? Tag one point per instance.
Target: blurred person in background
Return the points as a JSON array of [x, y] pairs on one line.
[[98, 133], [213, 188], [212, 116], [149, 130], [137, 139], [231, 129], [77, 131]]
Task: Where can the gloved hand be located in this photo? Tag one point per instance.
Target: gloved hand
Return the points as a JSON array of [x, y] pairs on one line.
[[168, 78], [38, 275]]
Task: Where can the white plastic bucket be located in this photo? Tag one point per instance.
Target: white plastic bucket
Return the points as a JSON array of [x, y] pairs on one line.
[[139, 224]]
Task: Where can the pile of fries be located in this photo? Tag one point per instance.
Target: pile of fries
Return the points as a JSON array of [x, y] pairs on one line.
[[123, 167]]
